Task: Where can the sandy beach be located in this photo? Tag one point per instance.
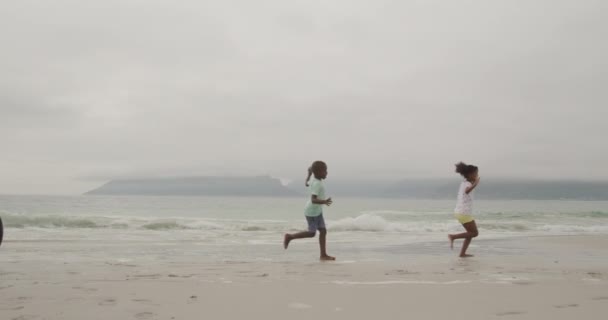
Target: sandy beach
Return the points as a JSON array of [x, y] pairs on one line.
[[155, 154], [560, 277]]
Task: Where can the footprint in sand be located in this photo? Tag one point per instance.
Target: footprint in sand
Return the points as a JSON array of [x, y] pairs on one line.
[[522, 282], [107, 302], [146, 276], [510, 313], [145, 301], [402, 271], [85, 289], [20, 299], [14, 308], [144, 315], [299, 305], [120, 264], [181, 276], [24, 318]]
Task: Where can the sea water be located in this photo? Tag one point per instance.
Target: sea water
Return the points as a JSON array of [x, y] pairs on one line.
[[248, 229]]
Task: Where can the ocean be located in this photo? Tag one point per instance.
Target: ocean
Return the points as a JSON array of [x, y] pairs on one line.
[[251, 229]]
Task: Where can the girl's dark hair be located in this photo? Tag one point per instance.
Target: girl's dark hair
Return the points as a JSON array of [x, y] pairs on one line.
[[315, 169], [465, 169]]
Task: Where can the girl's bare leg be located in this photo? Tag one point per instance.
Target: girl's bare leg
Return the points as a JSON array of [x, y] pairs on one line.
[[471, 233]]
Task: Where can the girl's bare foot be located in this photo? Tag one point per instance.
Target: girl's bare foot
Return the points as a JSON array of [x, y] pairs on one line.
[[327, 258], [451, 241], [466, 255], [286, 240]]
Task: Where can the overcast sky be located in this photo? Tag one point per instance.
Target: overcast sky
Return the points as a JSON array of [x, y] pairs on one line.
[[95, 90]]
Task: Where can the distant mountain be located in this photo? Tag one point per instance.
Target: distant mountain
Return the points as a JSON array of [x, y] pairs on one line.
[[543, 190], [488, 189], [196, 186], [265, 186]]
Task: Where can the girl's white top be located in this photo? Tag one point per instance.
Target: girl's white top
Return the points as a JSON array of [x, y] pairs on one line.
[[465, 201]]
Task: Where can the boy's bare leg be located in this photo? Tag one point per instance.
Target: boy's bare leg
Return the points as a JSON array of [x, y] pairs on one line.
[[323, 246], [288, 237]]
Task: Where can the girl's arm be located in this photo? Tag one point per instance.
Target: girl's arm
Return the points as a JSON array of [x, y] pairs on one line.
[[469, 189]]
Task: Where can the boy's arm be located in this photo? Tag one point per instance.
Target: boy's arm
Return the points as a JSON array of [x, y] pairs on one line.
[[314, 199], [469, 189]]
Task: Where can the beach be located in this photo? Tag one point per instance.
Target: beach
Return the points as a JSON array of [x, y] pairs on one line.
[[569, 280], [197, 258], [157, 158]]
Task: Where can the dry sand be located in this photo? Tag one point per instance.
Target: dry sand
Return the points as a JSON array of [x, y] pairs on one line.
[[558, 278]]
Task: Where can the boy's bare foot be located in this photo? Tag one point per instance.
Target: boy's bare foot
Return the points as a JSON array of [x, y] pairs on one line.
[[451, 241], [466, 255], [286, 240], [327, 258]]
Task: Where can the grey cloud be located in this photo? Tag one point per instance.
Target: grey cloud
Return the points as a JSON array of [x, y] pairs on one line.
[[102, 89]]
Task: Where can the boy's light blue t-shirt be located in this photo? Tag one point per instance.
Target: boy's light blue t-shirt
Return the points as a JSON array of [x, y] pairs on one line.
[[318, 189]]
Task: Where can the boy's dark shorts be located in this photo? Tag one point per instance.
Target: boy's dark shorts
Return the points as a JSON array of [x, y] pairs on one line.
[[315, 223]]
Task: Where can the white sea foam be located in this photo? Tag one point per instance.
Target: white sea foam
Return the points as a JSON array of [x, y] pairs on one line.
[[394, 282], [368, 222]]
